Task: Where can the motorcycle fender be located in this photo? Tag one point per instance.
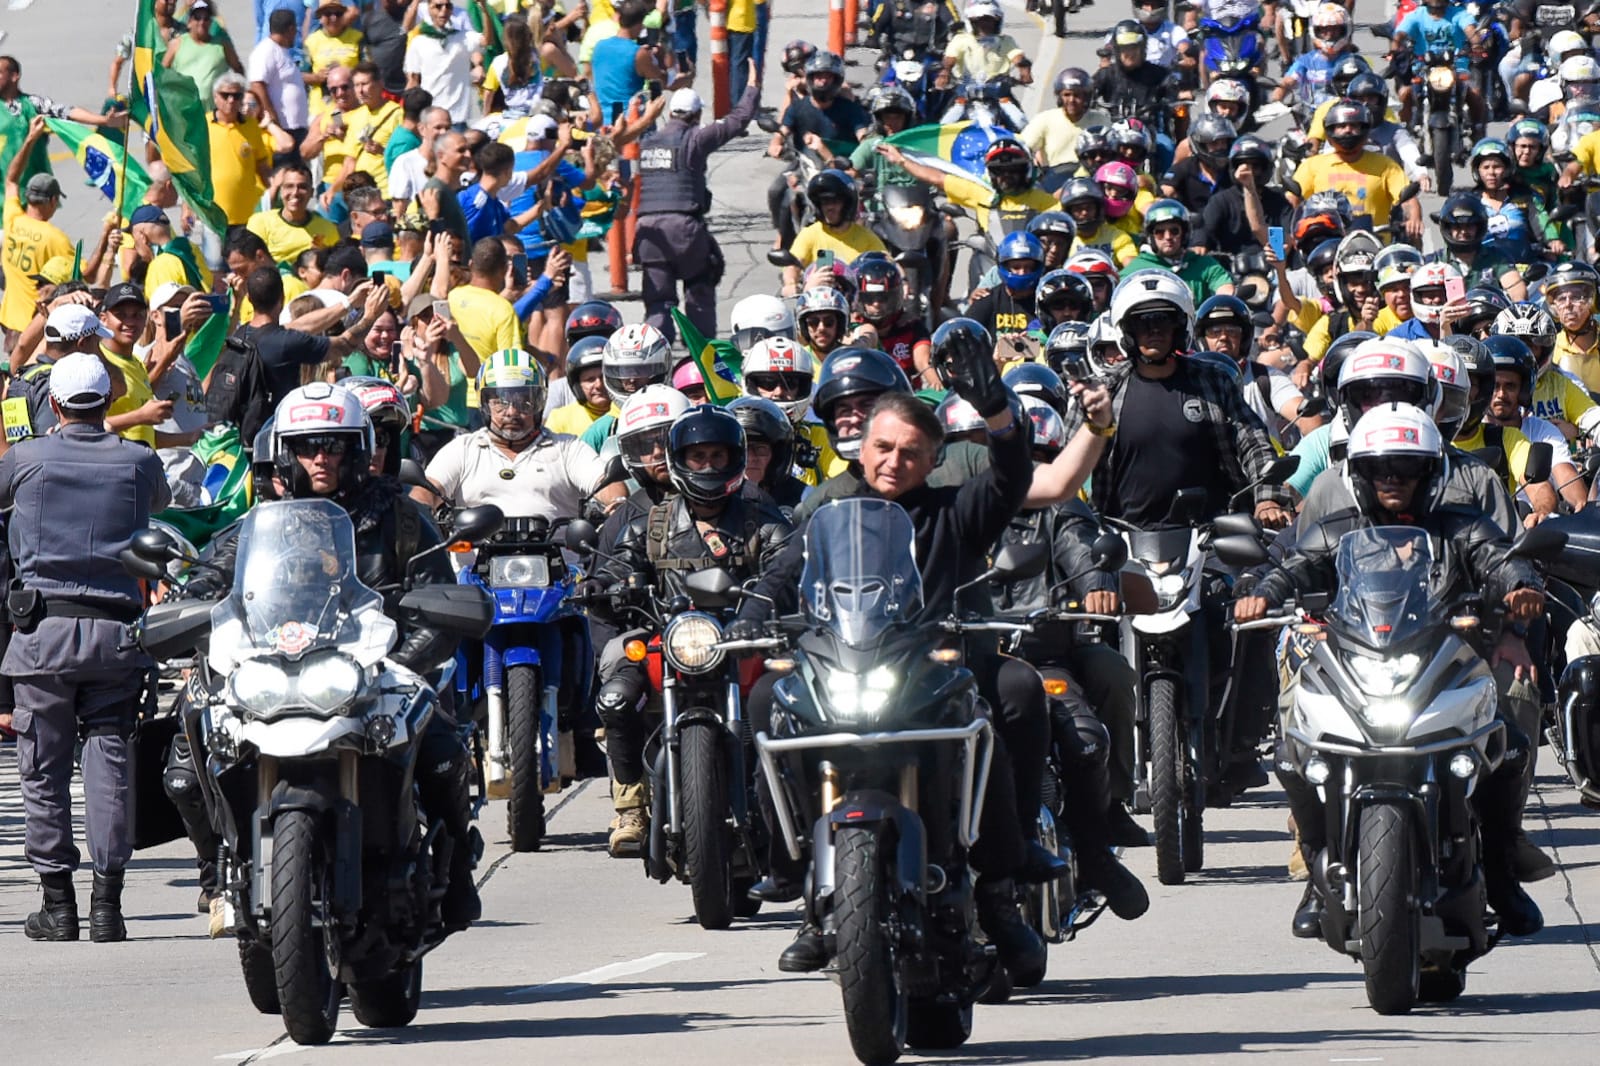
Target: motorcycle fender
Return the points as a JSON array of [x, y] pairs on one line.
[[287, 738], [287, 796], [521, 656], [656, 866], [1439, 120], [911, 849], [1165, 622]]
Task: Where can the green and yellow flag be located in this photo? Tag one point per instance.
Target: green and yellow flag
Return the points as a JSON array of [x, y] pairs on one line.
[[104, 162], [707, 354], [167, 104]]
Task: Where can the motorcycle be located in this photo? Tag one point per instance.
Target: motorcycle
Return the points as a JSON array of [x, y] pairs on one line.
[[877, 763], [1393, 721], [991, 102], [1297, 31], [804, 164], [905, 219], [1231, 47], [1487, 54], [1441, 119], [333, 878], [914, 27], [916, 75]]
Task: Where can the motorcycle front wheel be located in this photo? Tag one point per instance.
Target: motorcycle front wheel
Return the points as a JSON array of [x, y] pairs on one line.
[[1444, 167], [1166, 780], [260, 979], [525, 808], [308, 994], [1386, 921], [707, 843], [875, 1007]]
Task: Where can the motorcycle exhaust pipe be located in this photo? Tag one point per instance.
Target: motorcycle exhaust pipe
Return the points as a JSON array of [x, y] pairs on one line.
[[496, 769]]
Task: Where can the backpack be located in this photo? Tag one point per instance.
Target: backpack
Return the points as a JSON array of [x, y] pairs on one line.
[[238, 391], [26, 410]]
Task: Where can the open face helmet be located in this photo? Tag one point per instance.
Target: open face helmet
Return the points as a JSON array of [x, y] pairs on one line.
[[854, 372], [765, 422], [1384, 371], [1395, 441], [1153, 295], [758, 317], [1450, 372], [1038, 380], [1061, 296], [389, 414]]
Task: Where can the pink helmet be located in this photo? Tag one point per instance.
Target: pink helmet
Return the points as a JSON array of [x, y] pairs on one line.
[[686, 375], [1121, 184]]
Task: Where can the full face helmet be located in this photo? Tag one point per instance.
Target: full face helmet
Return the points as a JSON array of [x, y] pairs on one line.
[[880, 291], [780, 370], [1455, 391], [635, 356], [643, 425], [698, 428], [592, 318], [1062, 296], [1533, 325], [1020, 258], [321, 418], [766, 423], [1120, 184]]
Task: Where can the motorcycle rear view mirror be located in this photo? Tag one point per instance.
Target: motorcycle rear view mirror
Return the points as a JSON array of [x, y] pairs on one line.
[[461, 610], [950, 210], [1409, 192], [413, 476], [477, 523], [1188, 506], [767, 123], [1541, 542], [1537, 469], [155, 546], [711, 588], [913, 261], [1279, 470], [141, 567], [1240, 551], [581, 536], [781, 257], [1018, 562], [1109, 552], [1236, 525]]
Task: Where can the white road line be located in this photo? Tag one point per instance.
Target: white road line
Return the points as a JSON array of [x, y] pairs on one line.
[[604, 974], [275, 1049]]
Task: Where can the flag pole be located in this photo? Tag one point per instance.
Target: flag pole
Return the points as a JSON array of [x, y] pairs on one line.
[[127, 132]]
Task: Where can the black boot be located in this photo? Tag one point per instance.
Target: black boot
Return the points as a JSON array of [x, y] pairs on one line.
[[57, 918], [461, 905], [105, 910], [1040, 865], [1121, 887], [1519, 914], [807, 953], [1019, 947], [1124, 831], [1308, 916]]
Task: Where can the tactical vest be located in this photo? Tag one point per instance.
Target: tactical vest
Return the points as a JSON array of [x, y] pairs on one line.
[[743, 553], [667, 185]]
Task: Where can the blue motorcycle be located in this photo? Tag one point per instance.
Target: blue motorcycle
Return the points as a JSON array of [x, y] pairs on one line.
[[1233, 48], [539, 644]]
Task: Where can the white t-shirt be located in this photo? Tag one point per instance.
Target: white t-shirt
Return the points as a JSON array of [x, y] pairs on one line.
[[271, 64], [445, 70], [407, 175], [1537, 430], [1284, 394], [551, 477], [1162, 43]]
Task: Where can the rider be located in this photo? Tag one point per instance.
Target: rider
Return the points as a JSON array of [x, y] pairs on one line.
[[1514, 374], [1131, 83], [1311, 74], [634, 356], [823, 317], [1009, 200], [1194, 180], [1168, 43], [1229, 224], [1085, 201], [1530, 144], [1052, 135], [1007, 310], [586, 379], [1439, 26], [893, 111], [1429, 310], [1556, 398], [757, 317], [822, 121], [1517, 222], [982, 52], [833, 196], [1224, 324], [1569, 293], [880, 303], [769, 450], [1062, 296], [1166, 247], [1385, 134], [1369, 180], [1126, 197]]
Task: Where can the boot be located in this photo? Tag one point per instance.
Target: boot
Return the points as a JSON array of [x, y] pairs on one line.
[[1124, 831], [105, 910], [1041, 865], [461, 905], [1519, 914], [627, 839], [1121, 887], [57, 917], [1308, 916], [566, 758], [807, 953], [1019, 947], [1531, 863]]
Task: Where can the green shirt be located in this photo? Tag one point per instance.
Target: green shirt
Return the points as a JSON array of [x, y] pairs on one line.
[[1203, 274], [888, 173], [402, 142], [455, 414], [595, 436]]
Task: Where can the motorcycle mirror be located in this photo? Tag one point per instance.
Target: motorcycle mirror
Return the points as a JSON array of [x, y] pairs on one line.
[[412, 475], [477, 523], [767, 123], [782, 257], [1188, 506], [1314, 602], [139, 567], [155, 546], [1565, 213], [1238, 524], [1109, 552], [1537, 468], [581, 536], [1240, 551], [1541, 542], [1409, 192], [1018, 562], [713, 587], [1279, 469]]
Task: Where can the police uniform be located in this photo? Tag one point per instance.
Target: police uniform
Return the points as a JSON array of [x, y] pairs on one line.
[[79, 495], [673, 242]]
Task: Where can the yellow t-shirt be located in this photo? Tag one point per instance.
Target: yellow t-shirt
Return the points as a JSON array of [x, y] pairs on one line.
[[285, 240], [292, 287], [599, 29], [829, 462], [30, 244], [167, 267], [741, 16], [574, 418], [1583, 362], [487, 319], [845, 246], [975, 61], [1587, 152], [991, 209], [382, 122], [1372, 183], [1111, 240], [238, 153], [137, 382], [1385, 321], [327, 51], [1516, 450], [1557, 396]]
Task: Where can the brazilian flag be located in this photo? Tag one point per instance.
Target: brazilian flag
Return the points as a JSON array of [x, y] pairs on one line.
[[104, 162], [168, 105], [707, 354]]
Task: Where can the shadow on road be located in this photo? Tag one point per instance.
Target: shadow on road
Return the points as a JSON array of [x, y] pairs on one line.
[[1162, 986], [504, 995], [1196, 1046]]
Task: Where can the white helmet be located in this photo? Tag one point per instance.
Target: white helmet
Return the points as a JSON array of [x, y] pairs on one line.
[[635, 356], [321, 410], [1561, 42], [1229, 91], [789, 364], [1049, 430], [1330, 17], [1579, 69], [1146, 291], [758, 317], [1384, 371], [645, 422], [1433, 275], [1101, 334], [1395, 434], [1450, 372], [984, 9]]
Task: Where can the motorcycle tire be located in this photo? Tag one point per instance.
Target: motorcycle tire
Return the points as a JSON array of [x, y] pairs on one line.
[[1385, 921], [308, 994], [260, 980], [707, 843], [390, 1002], [525, 808], [1444, 170], [1167, 800], [875, 1006], [934, 1026]]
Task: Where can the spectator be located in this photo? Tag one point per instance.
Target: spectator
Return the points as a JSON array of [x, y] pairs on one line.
[[385, 27], [31, 239], [408, 135], [485, 318], [25, 106], [159, 257], [336, 43], [291, 229], [410, 172], [244, 254], [203, 54], [284, 352], [445, 60], [368, 127], [621, 66], [280, 88], [438, 198], [241, 158]]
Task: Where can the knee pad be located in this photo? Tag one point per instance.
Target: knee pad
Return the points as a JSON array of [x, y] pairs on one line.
[[179, 780], [1084, 740], [616, 702]]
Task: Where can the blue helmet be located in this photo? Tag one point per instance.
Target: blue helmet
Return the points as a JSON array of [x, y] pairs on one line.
[[1015, 246]]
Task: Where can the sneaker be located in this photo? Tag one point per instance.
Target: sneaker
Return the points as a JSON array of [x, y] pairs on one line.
[[218, 922], [627, 839]]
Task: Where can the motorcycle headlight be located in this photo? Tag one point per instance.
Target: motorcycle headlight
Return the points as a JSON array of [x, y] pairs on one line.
[[1441, 79], [1170, 589], [519, 571], [907, 72], [1390, 717], [260, 686], [908, 216], [860, 695], [329, 681], [690, 642], [1384, 678]]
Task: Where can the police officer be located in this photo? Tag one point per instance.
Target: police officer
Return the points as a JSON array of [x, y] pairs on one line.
[[674, 243], [26, 410], [79, 495]]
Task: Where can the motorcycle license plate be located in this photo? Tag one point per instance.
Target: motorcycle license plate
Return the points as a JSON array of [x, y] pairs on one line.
[[1554, 15]]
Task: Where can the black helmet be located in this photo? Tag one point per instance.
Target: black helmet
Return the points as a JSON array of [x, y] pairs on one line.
[[1364, 87], [706, 424], [1333, 360], [1067, 347], [1038, 380], [1072, 79], [1347, 112], [765, 421], [879, 281], [1480, 377], [1571, 272], [1227, 309], [1323, 256], [833, 185], [796, 54], [854, 372], [592, 318], [1463, 212], [1207, 130], [1512, 353], [1092, 142], [824, 76], [1064, 289], [1486, 305], [1250, 149], [586, 352], [1127, 34], [1345, 71], [1053, 224]]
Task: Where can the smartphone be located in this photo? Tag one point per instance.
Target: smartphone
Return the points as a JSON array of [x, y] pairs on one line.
[[1275, 240], [441, 309], [378, 277], [519, 269], [825, 259], [174, 321], [1454, 289], [218, 302], [395, 351]]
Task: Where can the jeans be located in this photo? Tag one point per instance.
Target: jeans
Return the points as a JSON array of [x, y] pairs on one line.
[[741, 53], [684, 41]]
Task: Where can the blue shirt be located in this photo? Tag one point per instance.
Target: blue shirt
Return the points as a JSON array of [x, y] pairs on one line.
[[1429, 34], [1312, 72], [566, 178], [1411, 329], [486, 215], [616, 79]]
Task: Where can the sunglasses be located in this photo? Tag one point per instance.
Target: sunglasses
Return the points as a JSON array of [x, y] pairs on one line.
[[305, 447], [518, 401], [1394, 467], [229, 96]]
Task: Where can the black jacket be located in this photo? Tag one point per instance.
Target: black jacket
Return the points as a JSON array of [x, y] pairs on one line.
[[1144, 88], [1070, 529], [751, 530]]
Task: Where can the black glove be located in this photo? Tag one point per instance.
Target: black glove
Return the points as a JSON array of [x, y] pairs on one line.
[[963, 354], [744, 629]]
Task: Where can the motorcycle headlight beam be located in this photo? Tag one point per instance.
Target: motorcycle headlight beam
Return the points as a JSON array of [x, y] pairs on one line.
[[329, 681], [1384, 678], [857, 696], [260, 686], [1170, 588], [689, 642]]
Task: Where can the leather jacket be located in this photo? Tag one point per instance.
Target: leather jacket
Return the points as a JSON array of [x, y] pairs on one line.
[[752, 532], [1069, 528]]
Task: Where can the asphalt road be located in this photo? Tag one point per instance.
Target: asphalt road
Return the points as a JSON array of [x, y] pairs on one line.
[[581, 959]]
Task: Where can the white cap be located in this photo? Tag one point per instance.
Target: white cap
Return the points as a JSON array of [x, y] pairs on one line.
[[166, 291], [79, 382], [685, 102], [70, 323], [542, 128], [327, 297]]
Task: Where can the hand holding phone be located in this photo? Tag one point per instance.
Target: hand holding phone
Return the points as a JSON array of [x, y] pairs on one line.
[[824, 260], [1455, 290], [441, 310], [1275, 240]]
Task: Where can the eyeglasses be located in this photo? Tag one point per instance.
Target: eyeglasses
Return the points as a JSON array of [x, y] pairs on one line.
[[322, 444], [1571, 297], [229, 96], [521, 401]]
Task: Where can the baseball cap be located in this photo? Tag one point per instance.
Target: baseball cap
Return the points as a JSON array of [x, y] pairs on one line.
[[541, 128], [55, 270], [43, 188], [79, 382], [167, 290], [122, 293], [330, 7], [199, 5], [72, 322], [377, 235], [685, 102], [148, 213]]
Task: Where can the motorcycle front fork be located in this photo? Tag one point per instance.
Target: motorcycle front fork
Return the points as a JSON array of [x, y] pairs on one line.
[[499, 753]]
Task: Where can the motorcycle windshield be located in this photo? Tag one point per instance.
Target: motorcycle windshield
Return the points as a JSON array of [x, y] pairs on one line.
[[860, 576], [295, 588], [1383, 584]]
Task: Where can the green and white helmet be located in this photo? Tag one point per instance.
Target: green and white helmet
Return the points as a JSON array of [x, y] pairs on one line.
[[513, 372]]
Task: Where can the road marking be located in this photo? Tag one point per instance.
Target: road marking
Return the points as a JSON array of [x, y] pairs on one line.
[[604, 974], [281, 1046], [1375, 1059]]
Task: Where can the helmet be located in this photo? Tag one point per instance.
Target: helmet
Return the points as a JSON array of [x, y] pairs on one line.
[[1084, 191], [1480, 376], [1038, 380], [1153, 292], [1487, 148], [1067, 345], [1072, 79], [1062, 289], [833, 185], [858, 372], [1205, 132], [643, 424], [1053, 224], [1129, 34], [1323, 256], [1363, 88], [891, 98], [1249, 149], [592, 318], [957, 416], [1330, 27], [1333, 360], [1383, 371], [321, 411], [1533, 324], [686, 375], [1347, 112], [1396, 274], [1049, 429], [780, 361], [1529, 129], [1570, 272], [1396, 440], [983, 9], [1132, 140], [1105, 342], [1560, 43], [1345, 72], [263, 465], [1162, 212], [1486, 305], [1450, 371], [1430, 276], [1120, 184], [760, 316], [1231, 93], [824, 75], [765, 421], [1008, 163], [587, 352], [1511, 353], [508, 371], [1222, 363], [796, 54], [701, 425], [388, 412], [1322, 216], [1579, 69], [1099, 270], [1094, 142], [1019, 246], [880, 290], [1397, 255], [818, 301], [1229, 309], [635, 356]]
